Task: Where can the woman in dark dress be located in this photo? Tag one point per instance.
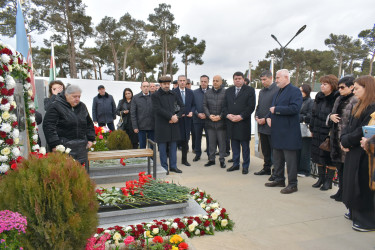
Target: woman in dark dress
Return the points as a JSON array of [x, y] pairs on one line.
[[123, 110], [338, 120], [319, 128], [357, 195]]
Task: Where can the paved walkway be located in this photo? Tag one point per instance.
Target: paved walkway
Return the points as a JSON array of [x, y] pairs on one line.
[[266, 219]]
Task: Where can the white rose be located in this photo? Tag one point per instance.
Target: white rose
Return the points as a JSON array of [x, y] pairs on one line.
[[167, 223], [5, 151], [16, 152], [35, 147], [4, 168], [174, 225], [205, 217], [128, 228], [224, 223], [10, 83], [107, 231], [30, 92], [14, 104], [35, 138], [5, 58], [195, 223], [203, 205], [148, 225], [3, 158], [32, 118], [27, 86], [10, 68], [1, 119], [208, 229], [42, 150], [96, 235], [199, 199], [5, 107], [10, 99], [191, 228], [16, 133], [67, 150], [5, 127], [13, 117], [155, 230], [60, 148], [215, 205], [197, 232], [214, 216], [208, 208], [16, 140], [1, 79]]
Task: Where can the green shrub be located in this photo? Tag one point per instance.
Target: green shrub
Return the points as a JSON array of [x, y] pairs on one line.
[[58, 198], [119, 140]]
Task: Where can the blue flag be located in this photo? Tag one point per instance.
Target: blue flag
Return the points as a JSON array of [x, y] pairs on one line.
[[21, 38]]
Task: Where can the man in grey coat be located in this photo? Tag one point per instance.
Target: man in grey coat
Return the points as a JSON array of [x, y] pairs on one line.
[[213, 103], [264, 103], [104, 109], [142, 116]]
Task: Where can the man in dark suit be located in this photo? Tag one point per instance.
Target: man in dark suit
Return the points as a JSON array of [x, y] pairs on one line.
[[239, 103], [285, 132], [168, 109], [187, 97]]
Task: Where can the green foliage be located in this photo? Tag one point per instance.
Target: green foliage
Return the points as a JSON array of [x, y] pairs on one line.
[[119, 140], [58, 198], [191, 50], [100, 144]]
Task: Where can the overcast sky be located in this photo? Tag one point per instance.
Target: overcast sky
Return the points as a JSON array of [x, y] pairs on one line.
[[239, 31]]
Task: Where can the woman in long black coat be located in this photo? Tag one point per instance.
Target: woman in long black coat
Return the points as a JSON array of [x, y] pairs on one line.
[[357, 195], [323, 104], [339, 119], [123, 110], [67, 122]]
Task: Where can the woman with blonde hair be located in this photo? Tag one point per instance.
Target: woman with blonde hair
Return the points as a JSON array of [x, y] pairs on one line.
[[357, 195]]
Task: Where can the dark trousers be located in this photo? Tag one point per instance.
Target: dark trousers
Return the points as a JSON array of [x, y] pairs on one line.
[[304, 156], [216, 137], [193, 141], [143, 135], [266, 145], [172, 153], [110, 125], [184, 150], [198, 127], [280, 157], [236, 148]]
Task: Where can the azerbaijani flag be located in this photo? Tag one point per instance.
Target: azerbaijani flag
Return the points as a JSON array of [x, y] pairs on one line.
[[21, 38], [52, 67]]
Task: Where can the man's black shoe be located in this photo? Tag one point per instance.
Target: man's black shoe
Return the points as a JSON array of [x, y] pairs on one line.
[[272, 178], [186, 163], [289, 190], [263, 172], [216, 153], [275, 184], [176, 170], [222, 164], [233, 168], [227, 154], [209, 163], [245, 171], [230, 160], [196, 158]]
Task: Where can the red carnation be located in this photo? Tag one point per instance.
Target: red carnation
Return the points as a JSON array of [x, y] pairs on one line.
[[1, 72], [188, 234], [9, 142], [11, 108], [14, 124], [4, 101], [177, 220], [181, 225], [99, 230], [19, 159], [5, 68], [157, 239], [33, 124], [173, 231], [165, 227], [4, 91], [203, 233], [13, 166], [28, 79], [11, 92], [32, 111], [2, 84], [6, 51], [11, 61], [19, 60], [206, 223], [3, 134]]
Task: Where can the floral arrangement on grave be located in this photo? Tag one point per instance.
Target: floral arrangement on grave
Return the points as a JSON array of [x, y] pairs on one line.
[[100, 143], [58, 198], [216, 219], [142, 192], [12, 68], [12, 226]]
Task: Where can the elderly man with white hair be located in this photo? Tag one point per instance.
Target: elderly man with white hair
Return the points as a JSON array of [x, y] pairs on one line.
[[285, 132]]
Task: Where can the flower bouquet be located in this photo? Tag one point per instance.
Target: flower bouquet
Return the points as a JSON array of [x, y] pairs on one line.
[[102, 134]]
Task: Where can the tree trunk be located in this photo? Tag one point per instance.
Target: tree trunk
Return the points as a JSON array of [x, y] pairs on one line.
[[351, 66], [297, 74], [313, 80], [71, 43], [166, 57], [170, 64], [371, 61], [340, 65], [115, 62], [100, 71], [186, 63], [125, 58], [94, 67]]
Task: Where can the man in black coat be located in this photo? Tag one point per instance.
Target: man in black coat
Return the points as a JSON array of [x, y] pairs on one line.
[[168, 109], [199, 117], [186, 96], [104, 109], [238, 105]]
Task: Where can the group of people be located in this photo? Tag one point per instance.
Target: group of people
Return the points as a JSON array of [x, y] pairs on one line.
[[292, 128]]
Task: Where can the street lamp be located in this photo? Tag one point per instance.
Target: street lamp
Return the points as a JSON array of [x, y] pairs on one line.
[[283, 47]]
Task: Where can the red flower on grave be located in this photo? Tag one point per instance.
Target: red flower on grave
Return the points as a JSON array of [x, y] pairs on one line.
[[157, 239], [9, 141], [13, 166], [4, 101], [14, 124], [28, 79], [4, 91], [3, 134], [5, 68], [11, 92]]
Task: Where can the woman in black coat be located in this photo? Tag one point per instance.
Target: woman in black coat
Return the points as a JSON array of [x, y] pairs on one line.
[[357, 195], [339, 119], [123, 110], [67, 122], [323, 104], [304, 156]]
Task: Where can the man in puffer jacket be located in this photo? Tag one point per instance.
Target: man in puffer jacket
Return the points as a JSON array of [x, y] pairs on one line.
[[104, 109]]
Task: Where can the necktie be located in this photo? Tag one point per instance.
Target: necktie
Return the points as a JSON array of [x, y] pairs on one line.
[[237, 90], [183, 96], [204, 91]]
